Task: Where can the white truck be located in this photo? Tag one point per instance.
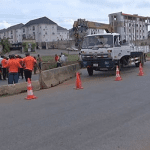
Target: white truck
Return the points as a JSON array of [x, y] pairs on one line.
[[105, 51]]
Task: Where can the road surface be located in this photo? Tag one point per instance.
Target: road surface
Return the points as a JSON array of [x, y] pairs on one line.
[[105, 115]]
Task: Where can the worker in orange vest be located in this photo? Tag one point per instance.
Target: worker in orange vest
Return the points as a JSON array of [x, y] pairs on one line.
[[13, 66], [4, 63], [29, 63]]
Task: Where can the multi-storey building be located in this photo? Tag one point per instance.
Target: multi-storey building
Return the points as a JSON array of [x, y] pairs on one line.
[[130, 27], [3, 33], [13, 33], [41, 29], [62, 33]]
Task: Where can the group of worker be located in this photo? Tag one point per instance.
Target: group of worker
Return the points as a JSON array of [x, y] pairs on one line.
[[15, 65]]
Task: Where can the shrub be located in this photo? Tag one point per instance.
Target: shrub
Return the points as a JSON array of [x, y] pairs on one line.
[[6, 45]]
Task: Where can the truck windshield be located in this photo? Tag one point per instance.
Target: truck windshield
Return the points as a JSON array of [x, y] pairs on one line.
[[97, 41]]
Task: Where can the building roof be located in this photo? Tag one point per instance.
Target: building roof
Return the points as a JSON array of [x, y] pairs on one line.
[[43, 20], [3, 30], [18, 26], [61, 28], [135, 15]]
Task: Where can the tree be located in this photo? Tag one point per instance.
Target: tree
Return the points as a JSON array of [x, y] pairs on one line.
[[6, 45]]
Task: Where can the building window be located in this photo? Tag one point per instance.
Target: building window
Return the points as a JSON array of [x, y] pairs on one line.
[[124, 29], [137, 36], [11, 32], [136, 30], [143, 37], [129, 30], [33, 28], [53, 33], [23, 30]]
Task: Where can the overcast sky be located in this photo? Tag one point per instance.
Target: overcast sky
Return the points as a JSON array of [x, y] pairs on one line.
[[65, 12]]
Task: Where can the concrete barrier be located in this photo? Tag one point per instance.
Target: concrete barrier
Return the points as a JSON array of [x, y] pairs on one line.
[[18, 88], [47, 79], [53, 77]]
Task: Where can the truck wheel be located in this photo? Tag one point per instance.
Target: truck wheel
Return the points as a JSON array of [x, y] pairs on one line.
[[90, 71]]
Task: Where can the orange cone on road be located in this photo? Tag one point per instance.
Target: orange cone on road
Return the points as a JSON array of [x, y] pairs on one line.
[[30, 91], [141, 73], [78, 82], [118, 77]]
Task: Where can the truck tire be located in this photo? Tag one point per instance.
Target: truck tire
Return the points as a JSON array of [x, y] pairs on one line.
[[90, 71]]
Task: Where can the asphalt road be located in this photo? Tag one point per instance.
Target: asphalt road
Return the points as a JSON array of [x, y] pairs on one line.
[[105, 115]]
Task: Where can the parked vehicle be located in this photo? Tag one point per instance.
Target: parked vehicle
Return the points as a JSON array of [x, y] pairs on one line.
[[105, 51]]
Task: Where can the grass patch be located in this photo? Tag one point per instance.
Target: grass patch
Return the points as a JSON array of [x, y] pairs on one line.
[[48, 58], [148, 55], [52, 58], [72, 57]]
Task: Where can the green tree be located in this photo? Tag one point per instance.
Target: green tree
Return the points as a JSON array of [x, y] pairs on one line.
[[6, 45]]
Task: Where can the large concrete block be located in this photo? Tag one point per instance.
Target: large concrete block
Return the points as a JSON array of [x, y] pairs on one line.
[[55, 76], [18, 88], [3, 90]]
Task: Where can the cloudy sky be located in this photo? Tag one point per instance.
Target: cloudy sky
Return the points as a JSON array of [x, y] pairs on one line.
[[65, 12]]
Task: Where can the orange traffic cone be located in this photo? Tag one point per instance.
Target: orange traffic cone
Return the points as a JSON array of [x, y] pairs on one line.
[[30, 91], [141, 73], [118, 77], [78, 82]]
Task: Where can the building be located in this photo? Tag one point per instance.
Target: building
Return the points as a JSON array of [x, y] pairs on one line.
[[130, 27], [3, 33], [13, 33], [62, 33], [41, 29]]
